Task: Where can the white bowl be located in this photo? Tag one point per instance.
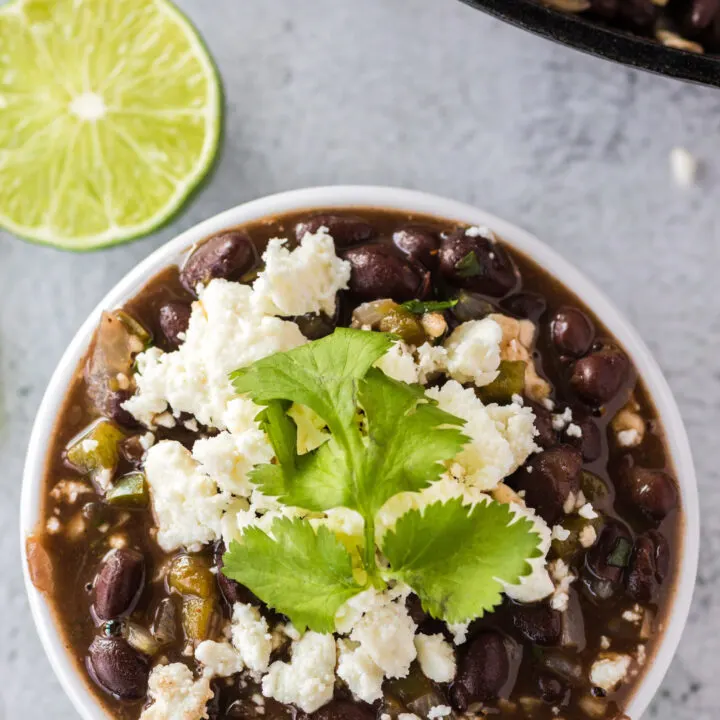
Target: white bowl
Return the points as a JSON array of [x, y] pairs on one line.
[[75, 683]]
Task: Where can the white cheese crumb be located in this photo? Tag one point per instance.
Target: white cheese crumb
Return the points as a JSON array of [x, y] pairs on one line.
[[501, 437], [308, 680], [165, 420], [220, 659], [225, 333], [386, 632], [362, 676], [186, 502], [439, 711], [147, 441], [436, 657], [587, 511], [560, 533], [69, 491], [175, 694], [573, 430], [604, 642], [191, 425], [459, 632], [628, 438], [399, 364], [303, 280], [563, 579], [560, 420], [407, 716], [633, 615], [609, 670], [517, 399], [480, 231], [587, 536], [473, 352], [89, 445], [251, 637], [641, 655], [684, 166], [117, 541], [53, 526], [548, 404]]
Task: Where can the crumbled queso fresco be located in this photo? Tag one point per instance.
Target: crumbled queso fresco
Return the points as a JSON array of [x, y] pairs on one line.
[[196, 444]]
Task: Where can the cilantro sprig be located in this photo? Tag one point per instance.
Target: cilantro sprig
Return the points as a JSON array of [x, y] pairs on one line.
[[386, 437]]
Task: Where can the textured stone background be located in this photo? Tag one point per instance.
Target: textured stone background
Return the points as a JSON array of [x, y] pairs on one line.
[[424, 94]]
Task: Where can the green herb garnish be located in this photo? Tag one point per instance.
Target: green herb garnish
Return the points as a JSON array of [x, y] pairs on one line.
[[420, 307], [468, 266], [386, 437], [619, 556]]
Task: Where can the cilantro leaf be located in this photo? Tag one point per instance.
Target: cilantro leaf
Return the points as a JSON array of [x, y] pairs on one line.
[[454, 556], [320, 375], [419, 307], [296, 571], [409, 438], [468, 265]]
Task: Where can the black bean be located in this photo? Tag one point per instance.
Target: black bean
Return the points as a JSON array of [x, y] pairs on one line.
[[228, 255], [315, 325], [346, 230], [572, 331], [231, 590], [525, 305], [702, 13], [552, 690], [482, 672], [418, 242], [377, 272], [477, 263], [662, 553], [539, 624], [337, 710], [605, 558], [546, 437], [590, 442], [415, 610], [598, 377], [640, 14], [605, 8], [642, 580], [118, 583], [652, 492], [118, 668], [548, 479], [116, 412], [174, 320]]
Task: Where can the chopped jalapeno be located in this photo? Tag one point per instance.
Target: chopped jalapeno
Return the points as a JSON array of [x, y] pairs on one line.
[[405, 325], [190, 575], [98, 450], [620, 554], [134, 327], [593, 487], [129, 491], [509, 382], [197, 614]]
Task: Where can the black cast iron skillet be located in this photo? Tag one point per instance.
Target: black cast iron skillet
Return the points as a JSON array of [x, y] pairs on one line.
[[606, 42]]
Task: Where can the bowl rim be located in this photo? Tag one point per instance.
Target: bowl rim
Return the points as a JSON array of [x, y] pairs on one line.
[[411, 201], [606, 42]]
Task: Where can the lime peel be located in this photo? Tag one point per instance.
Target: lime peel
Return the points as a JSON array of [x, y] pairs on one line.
[[110, 116]]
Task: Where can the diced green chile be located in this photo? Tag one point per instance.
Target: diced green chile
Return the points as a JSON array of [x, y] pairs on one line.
[[129, 491], [509, 382]]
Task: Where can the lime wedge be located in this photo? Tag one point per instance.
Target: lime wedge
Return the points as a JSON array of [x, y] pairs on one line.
[[109, 117]]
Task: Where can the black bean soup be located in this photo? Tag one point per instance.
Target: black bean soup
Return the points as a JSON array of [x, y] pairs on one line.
[[120, 611]]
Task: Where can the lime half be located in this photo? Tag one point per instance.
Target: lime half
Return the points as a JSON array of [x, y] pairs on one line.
[[109, 117]]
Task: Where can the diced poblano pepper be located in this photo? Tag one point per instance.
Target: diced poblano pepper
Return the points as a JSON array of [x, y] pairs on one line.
[[574, 524], [98, 450], [197, 615], [509, 382], [406, 325], [190, 575], [133, 326], [593, 487], [129, 491]]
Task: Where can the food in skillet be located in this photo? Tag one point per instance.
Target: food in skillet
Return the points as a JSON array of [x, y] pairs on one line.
[[691, 25], [382, 467]]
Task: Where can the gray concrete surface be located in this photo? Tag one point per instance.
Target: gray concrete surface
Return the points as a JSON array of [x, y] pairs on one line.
[[425, 94]]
